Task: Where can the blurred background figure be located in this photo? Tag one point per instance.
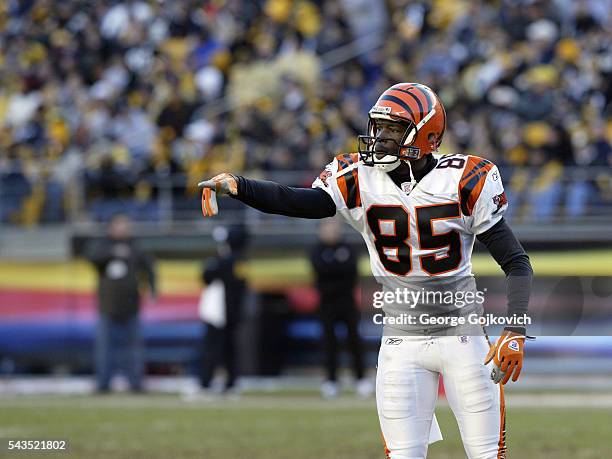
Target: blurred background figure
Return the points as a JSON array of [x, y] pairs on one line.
[[335, 266], [221, 306], [122, 269]]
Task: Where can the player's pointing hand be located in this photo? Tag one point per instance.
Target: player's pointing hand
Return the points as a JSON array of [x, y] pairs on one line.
[[223, 184]]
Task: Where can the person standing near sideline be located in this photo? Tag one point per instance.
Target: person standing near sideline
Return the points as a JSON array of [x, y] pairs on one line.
[[122, 270], [335, 266], [221, 307]]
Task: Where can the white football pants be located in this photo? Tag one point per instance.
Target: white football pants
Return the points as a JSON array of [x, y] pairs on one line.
[[407, 388]]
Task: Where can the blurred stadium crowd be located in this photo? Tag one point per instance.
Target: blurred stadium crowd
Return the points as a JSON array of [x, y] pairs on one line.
[[102, 102]]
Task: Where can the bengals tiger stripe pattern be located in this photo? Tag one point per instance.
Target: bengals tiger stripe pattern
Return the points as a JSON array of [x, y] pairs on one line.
[[412, 98], [472, 182], [349, 181], [346, 159]]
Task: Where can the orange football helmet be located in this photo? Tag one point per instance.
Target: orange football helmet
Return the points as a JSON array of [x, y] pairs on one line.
[[418, 108]]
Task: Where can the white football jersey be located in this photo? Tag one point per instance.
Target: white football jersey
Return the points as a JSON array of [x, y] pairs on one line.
[[429, 231], [424, 233]]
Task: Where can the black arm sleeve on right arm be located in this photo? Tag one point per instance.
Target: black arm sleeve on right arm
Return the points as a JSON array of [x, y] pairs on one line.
[[273, 198]]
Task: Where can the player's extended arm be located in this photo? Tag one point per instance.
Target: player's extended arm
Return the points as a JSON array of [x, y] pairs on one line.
[[270, 197], [507, 353]]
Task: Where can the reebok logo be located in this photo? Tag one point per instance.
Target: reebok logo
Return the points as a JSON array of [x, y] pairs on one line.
[[381, 109], [393, 341]]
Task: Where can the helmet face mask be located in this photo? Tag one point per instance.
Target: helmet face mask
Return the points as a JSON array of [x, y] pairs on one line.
[[390, 158]]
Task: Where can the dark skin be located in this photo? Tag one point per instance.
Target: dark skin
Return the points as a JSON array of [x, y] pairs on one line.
[[388, 131]]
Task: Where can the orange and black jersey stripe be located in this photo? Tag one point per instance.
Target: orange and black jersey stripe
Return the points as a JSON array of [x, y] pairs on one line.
[[346, 159], [472, 182], [348, 182]]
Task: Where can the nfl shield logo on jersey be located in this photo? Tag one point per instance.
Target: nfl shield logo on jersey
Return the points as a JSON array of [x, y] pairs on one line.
[[407, 187], [464, 339]]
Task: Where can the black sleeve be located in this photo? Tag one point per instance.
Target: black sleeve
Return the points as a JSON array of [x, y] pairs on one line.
[[510, 255], [148, 268], [273, 198], [212, 271], [98, 253]]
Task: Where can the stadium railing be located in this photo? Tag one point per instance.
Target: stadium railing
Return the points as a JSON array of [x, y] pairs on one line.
[[578, 197]]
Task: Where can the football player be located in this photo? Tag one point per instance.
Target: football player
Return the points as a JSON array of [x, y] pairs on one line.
[[419, 213]]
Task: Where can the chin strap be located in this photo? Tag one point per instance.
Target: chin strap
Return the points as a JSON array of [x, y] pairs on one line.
[[410, 171], [412, 182]]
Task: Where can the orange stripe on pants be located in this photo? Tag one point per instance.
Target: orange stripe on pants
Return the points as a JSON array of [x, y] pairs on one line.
[[501, 449], [387, 452]]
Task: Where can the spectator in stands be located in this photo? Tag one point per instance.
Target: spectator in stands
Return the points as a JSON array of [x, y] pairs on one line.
[[122, 270], [278, 76], [335, 266], [221, 307]]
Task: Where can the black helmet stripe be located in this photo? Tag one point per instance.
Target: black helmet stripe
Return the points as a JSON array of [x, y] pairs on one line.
[[399, 102], [422, 113], [424, 90]]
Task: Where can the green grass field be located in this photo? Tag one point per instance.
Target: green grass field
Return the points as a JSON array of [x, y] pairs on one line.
[[285, 425], [279, 426]]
